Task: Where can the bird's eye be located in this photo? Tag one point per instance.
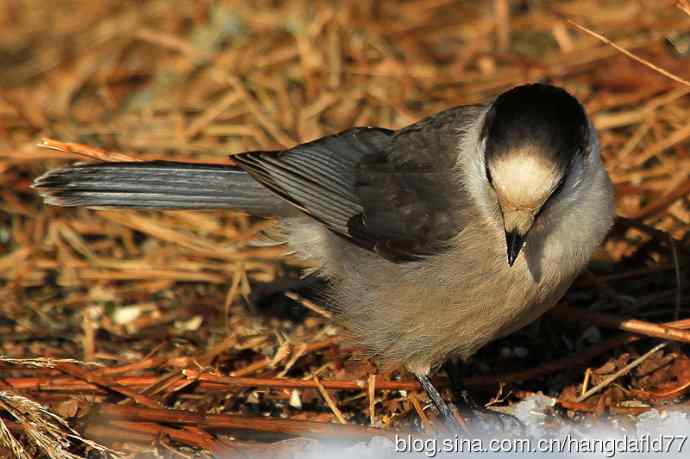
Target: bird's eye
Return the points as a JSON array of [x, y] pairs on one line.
[[549, 200], [488, 175]]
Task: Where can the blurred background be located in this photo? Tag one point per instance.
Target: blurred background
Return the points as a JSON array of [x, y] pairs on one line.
[[150, 294]]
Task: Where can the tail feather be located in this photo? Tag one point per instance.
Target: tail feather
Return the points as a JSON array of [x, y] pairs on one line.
[[158, 185]]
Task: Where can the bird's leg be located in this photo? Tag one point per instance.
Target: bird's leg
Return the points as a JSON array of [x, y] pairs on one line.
[[475, 412], [449, 419]]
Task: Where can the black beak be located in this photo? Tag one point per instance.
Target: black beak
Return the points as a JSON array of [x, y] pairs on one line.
[[514, 242]]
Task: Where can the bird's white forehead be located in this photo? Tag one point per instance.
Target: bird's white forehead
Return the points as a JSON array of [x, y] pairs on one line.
[[524, 179]]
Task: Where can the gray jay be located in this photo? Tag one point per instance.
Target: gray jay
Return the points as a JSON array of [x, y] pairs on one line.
[[434, 239]]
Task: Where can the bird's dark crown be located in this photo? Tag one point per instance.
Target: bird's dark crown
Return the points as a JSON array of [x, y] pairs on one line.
[[540, 118]]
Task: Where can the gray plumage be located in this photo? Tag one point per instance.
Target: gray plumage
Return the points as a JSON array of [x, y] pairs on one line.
[[158, 185], [410, 227]]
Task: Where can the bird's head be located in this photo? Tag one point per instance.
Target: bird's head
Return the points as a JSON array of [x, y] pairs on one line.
[[533, 137]]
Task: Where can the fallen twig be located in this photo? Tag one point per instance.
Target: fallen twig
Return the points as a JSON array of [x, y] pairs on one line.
[[234, 422], [608, 380], [642, 61], [619, 323]]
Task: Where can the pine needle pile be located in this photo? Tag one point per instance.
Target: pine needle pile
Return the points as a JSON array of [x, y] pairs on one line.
[[129, 333]]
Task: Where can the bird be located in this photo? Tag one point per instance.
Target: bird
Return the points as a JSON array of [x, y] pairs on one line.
[[433, 239]]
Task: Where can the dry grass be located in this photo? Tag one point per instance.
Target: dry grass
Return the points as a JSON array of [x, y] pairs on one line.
[[160, 300]]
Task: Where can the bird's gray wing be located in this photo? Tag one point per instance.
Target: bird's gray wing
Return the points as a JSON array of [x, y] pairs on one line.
[[319, 177], [394, 193]]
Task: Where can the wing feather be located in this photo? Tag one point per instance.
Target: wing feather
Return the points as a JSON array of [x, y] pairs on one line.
[[393, 193]]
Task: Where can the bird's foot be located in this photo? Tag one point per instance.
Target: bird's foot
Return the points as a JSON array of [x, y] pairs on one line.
[[482, 420], [450, 422]]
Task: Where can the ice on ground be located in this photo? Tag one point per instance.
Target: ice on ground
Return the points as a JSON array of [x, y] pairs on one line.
[[652, 434]]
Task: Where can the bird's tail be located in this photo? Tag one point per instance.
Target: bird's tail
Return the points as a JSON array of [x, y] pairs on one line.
[[158, 185]]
